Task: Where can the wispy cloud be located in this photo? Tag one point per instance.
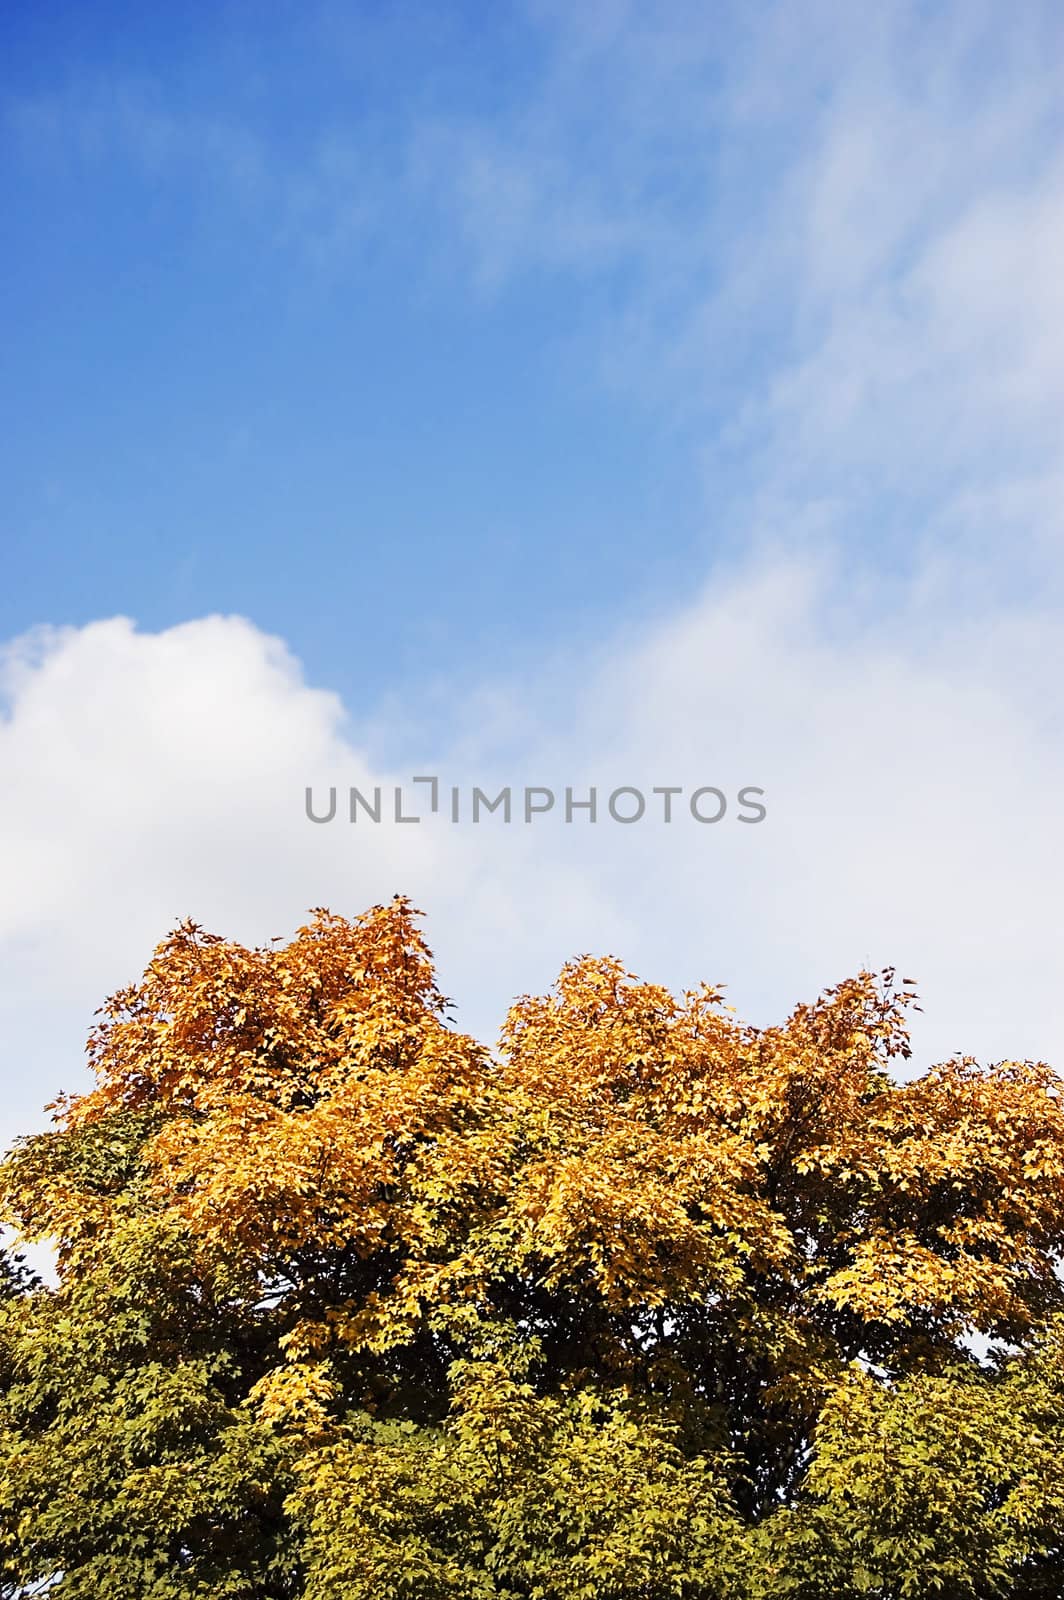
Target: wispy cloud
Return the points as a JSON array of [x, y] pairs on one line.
[[127, 120], [317, 199], [829, 242]]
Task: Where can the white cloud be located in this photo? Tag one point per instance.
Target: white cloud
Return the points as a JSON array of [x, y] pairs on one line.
[[912, 794], [833, 237], [150, 777]]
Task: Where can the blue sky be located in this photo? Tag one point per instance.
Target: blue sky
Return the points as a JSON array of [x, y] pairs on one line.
[[600, 394], [253, 369], [318, 313]]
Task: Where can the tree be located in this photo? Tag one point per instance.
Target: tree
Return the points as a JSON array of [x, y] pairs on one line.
[[648, 1302]]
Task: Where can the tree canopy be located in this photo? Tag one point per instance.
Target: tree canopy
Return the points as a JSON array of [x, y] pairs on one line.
[[644, 1304]]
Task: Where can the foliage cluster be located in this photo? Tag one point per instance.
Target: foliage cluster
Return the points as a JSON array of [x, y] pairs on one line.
[[647, 1304]]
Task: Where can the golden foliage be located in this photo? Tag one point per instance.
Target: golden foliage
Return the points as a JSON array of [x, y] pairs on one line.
[[639, 1246]]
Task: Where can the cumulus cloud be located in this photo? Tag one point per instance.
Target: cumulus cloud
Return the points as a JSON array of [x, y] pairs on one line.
[[911, 798], [149, 777]]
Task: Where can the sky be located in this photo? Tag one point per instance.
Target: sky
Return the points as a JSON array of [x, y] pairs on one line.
[[609, 396]]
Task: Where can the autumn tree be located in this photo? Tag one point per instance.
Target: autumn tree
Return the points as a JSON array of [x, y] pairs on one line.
[[645, 1303]]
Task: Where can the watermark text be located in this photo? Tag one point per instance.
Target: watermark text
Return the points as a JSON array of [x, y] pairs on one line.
[[624, 805]]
